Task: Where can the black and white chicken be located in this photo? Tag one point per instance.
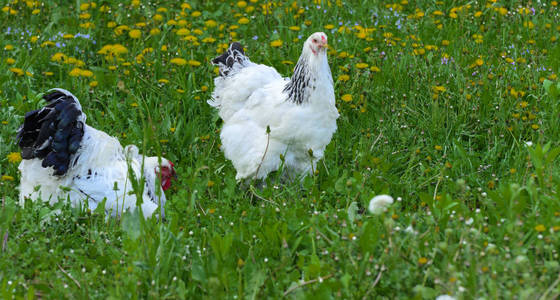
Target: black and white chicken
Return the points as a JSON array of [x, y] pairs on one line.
[[270, 121], [63, 158]]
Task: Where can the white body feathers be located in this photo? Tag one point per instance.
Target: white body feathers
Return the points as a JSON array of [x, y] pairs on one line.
[[98, 170], [253, 97]]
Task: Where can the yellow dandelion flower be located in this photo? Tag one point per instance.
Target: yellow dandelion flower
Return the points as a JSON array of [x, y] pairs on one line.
[[294, 28], [46, 73], [121, 29], [119, 49], [343, 77], [243, 21], [211, 23], [155, 31], [196, 14], [438, 147], [111, 24], [346, 98], [68, 36], [178, 61], [164, 48], [85, 16], [14, 157], [93, 84], [420, 51], [540, 228], [194, 63], [182, 32], [479, 62], [86, 73], [58, 57], [87, 25], [84, 6], [422, 260], [17, 71], [157, 18], [10, 61], [135, 33], [439, 89], [35, 11], [8, 47], [329, 26], [361, 65], [75, 72], [276, 43], [7, 178], [375, 69], [47, 43], [241, 4], [163, 80], [190, 38]]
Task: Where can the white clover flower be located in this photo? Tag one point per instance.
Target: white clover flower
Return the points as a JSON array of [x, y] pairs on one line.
[[379, 204]]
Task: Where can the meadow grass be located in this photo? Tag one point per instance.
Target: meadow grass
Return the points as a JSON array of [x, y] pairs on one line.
[[442, 106]]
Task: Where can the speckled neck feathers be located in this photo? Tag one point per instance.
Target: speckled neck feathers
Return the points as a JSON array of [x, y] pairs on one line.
[[306, 74]]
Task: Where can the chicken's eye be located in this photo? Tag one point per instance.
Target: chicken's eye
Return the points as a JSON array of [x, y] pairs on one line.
[[314, 40]]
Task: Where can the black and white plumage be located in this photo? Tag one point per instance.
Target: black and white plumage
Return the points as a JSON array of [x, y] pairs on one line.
[[299, 111], [65, 158], [53, 133]]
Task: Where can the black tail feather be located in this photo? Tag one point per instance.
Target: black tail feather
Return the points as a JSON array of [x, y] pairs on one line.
[[226, 61], [52, 133]]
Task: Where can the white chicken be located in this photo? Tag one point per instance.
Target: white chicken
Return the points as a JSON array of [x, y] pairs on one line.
[[63, 158], [270, 121]]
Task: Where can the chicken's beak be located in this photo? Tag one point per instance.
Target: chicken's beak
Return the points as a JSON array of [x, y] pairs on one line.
[[323, 43]]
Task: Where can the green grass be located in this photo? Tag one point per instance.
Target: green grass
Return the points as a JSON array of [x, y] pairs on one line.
[[439, 118]]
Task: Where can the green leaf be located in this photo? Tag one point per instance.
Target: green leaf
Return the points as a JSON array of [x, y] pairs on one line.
[[197, 271], [131, 224], [257, 280]]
